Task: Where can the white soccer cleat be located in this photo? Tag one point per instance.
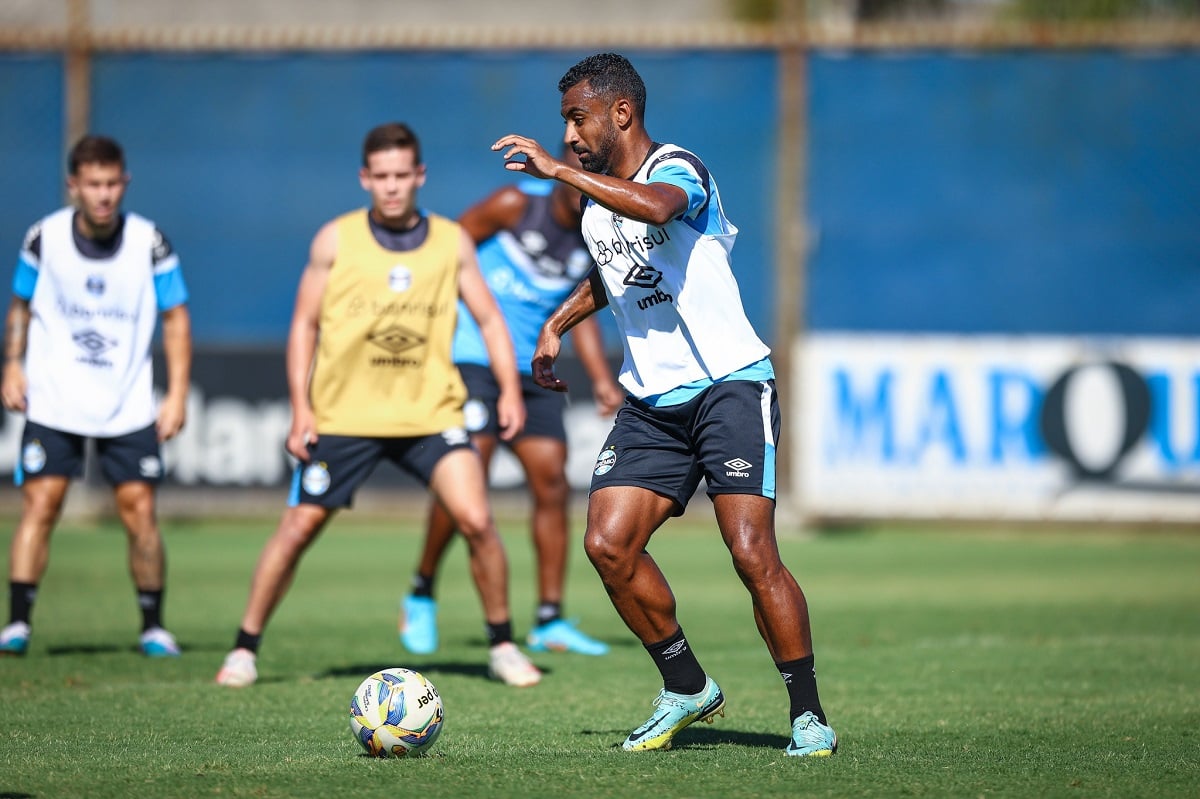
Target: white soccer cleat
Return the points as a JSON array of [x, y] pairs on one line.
[[509, 665], [239, 669]]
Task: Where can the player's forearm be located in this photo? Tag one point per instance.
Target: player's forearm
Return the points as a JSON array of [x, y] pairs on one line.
[[579, 305], [301, 351], [654, 203], [177, 349], [16, 331]]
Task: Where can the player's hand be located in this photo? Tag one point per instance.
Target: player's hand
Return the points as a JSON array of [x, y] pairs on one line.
[[545, 354], [302, 435], [13, 390], [510, 414], [608, 395], [538, 163], [171, 416]]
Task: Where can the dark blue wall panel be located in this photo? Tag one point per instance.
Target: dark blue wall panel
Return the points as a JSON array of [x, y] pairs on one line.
[[32, 178], [240, 159], [1006, 192]]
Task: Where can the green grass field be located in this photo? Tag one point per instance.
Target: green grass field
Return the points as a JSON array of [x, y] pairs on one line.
[[980, 664]]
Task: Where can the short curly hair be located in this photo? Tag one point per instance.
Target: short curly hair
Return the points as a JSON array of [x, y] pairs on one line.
[[611, 76]]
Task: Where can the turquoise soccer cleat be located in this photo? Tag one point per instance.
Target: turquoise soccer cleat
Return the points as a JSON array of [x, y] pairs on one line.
[[563, 636], [418, 625], [676, 711], [158, 643], [14, 639], [811, 738]]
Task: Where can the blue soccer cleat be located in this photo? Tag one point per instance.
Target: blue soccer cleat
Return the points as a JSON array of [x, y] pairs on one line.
[[676, 711], [158, 643], [14, 639], [563, 636], [811, 738], [418, 625]]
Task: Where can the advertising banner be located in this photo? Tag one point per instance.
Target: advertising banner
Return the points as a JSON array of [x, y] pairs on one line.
[[998, 427]]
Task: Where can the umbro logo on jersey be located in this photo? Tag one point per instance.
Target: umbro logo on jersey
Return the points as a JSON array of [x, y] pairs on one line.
[[93, 343], [737, 467], [395, 339], [643, 276]]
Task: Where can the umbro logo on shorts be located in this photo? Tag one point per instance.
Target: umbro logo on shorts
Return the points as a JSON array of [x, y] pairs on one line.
[[738, 467]]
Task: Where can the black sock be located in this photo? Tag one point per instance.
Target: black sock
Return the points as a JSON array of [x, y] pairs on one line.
[[151, 604], [20, 601], [677, 663], [246, 640], [422, 585], [801, 680], [548, 612], [499, 633]]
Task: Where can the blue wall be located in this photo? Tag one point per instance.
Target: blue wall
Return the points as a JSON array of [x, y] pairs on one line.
[[240, 159], [994, 192], [1011, 192], [32, 172]]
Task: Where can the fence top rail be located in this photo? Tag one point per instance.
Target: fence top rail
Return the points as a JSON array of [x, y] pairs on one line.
[[735, 36]]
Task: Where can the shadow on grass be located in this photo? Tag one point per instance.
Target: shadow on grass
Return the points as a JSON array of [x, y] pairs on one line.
[[704, 737], [90, 649], [432, 667]]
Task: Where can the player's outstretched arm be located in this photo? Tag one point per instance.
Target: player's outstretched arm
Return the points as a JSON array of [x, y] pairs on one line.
[[500, 210], [475, 294], [654, 203], [177, 347]]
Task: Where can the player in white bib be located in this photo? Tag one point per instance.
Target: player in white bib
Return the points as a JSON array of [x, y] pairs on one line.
[[89, 287], [702, 394]]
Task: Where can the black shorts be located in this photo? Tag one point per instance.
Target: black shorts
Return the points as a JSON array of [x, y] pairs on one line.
[[543, 408], [123, 459], [726, 435], [338, 465]]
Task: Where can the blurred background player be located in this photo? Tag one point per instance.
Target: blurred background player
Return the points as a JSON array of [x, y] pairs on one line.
[[89, 287], [370, 377], [702, 394], [532, 255]]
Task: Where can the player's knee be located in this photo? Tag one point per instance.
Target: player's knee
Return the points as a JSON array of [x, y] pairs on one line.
[[475, 524], [605, 552]]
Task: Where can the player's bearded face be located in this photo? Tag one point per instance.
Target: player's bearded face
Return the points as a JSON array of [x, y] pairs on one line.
[[598, 157]]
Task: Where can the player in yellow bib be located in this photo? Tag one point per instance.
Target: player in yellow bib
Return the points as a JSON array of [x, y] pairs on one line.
[[371, 377]]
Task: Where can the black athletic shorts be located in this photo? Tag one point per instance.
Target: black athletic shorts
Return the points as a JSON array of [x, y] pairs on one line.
[[338, 465], [726, 435], [127, 458], [543, 408]]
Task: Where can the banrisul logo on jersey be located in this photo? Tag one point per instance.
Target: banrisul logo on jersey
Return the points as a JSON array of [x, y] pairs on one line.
[[627, 246]]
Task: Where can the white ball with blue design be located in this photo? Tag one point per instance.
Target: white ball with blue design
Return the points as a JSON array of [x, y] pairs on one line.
[[396, 713]]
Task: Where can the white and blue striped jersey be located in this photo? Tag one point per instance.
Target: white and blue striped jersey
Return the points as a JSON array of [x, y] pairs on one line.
[[93, 311], [530, 269], [672, 288]]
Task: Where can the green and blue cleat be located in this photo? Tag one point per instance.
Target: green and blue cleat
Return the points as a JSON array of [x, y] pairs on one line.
[[811, 738], [676, 711]]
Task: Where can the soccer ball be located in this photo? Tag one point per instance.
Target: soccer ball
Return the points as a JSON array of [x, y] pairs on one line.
[[396, 713]]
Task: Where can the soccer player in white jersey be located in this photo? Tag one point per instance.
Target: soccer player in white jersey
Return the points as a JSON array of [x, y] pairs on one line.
[[702, 394], [90, 284]]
